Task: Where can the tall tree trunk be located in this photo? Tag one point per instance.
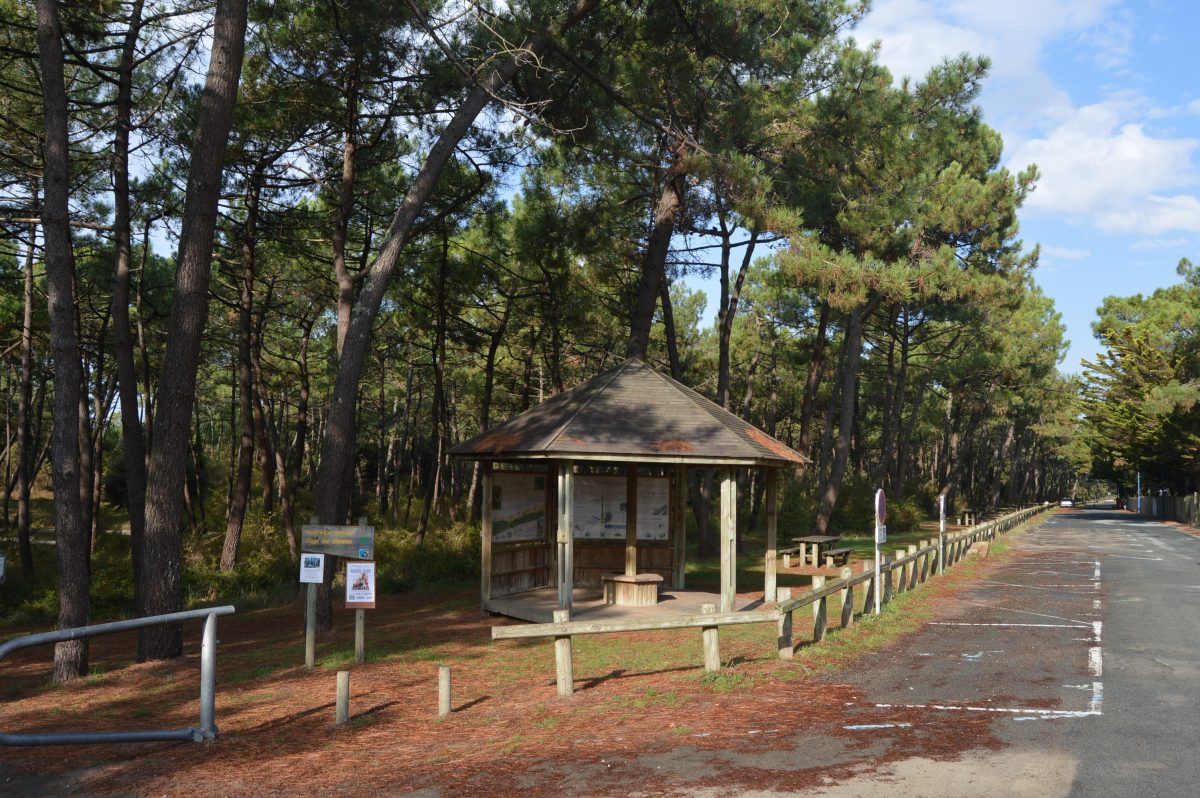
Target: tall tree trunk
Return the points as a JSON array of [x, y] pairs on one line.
[[74, 608], [654, 260], [133, 444], [337, 447], [816, 365], [435, 416], [26, 446], [851, 349], [162, 553], [240, 498], [669, 331], [727, 310], [485, 401]]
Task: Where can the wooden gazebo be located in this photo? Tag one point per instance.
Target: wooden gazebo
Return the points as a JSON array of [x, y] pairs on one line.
[[588, 490]]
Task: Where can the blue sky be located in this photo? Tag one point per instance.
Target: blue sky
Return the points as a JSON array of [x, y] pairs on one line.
[[1104, 97]]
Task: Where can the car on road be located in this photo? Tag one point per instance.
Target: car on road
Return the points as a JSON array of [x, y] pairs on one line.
[[1066, 502]]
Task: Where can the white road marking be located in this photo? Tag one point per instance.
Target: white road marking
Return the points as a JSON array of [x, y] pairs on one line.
[[1029, 625], [1063, 713]]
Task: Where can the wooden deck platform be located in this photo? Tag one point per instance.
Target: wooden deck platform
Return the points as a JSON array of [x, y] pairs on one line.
[[539, 605]]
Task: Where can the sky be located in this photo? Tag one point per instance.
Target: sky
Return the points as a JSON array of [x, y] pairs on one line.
[[1104, 96]]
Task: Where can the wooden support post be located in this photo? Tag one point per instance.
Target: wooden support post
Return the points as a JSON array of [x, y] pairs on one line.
[[847, 598], [631, 566], [342, 708], [564, 534], [769, 577], [787, 648], [924, 573], [910, 570], [885, 589], [678, 512], [485, 533], [901, 572], [728, 540], [563, 672], [360, 636], [444, 680], [712, 643], [310, 627], [787, 560], [820, 611]]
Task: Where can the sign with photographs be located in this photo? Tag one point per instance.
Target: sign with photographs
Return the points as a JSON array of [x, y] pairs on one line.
[[312, 568], [518, 506], [360, 585]]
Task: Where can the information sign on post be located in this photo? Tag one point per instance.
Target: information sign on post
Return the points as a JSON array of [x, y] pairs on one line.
[[312, 568], [360, 585], [351, 542], [1, 569], [880, 537]]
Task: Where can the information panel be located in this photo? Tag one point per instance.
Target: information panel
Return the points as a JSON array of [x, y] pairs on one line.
[[600, 507], [518, 506], [352, 542]]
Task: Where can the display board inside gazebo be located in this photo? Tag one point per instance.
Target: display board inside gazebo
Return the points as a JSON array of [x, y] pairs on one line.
[[585, 495]]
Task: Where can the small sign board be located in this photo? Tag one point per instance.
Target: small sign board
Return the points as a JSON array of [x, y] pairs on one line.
[[360, 585], [1, 569], [880, 534], [351, 542], [312, 568], [880, 507]]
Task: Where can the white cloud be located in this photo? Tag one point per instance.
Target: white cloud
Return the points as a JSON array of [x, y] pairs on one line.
[[1098, 167], [1148, 244], [1194, 106], [1153, 215], [1066, 253]]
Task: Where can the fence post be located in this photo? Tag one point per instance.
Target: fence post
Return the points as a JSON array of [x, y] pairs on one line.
[[443, 691], [787, 648], [910, 570], [924, 572], [712, 643], [343, 698], [563, 673], [820, 611], [885, 576], [208, 681], [847, 597], [902, 577]]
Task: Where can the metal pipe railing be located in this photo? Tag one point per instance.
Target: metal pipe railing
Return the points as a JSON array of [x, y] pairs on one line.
[[207, 729]]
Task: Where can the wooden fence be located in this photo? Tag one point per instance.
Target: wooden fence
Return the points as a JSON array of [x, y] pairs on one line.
[[903, 572]]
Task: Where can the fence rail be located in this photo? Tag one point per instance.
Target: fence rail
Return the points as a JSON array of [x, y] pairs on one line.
[[898, 574], [207, 730]]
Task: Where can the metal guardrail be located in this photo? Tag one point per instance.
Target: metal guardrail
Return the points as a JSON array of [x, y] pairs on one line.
[[208, 680]]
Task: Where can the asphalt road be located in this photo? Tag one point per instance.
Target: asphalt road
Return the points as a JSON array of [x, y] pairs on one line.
[[1071, 670], [1084, 653]]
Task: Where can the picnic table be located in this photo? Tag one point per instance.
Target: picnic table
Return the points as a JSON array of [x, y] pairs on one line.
[[818, 543]]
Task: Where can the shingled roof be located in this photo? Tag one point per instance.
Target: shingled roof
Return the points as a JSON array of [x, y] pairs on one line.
[[630, 412]]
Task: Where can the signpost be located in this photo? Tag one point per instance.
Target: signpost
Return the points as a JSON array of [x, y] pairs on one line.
[[941, 531], [880, 538], [350, 542]]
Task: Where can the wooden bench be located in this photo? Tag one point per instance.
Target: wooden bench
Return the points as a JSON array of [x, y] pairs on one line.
[[639, 590], [837, 556], [787, 554]]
